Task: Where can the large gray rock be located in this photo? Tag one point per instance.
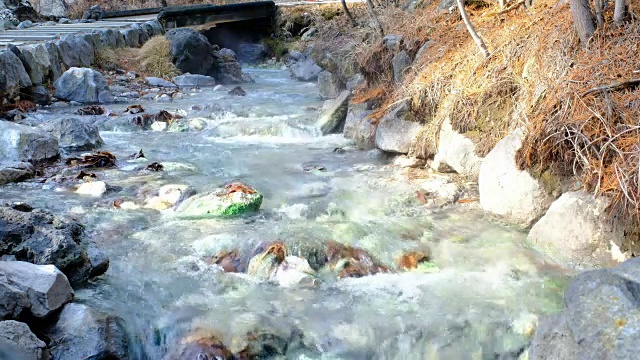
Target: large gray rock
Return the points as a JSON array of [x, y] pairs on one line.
[[39, 237], [600, 320], [305, 69], [393, 42], [75, 51], [191, 51], [24, 143], [194, 80], [13, 76], [332, 120], [456, 151], [226, 68], [74, 133], [11, 171], [57, 8], [397, 130], [329, 85], [46, 287], [13, 301], [153, 28], [401, 62], [131, 37], [83, 333], [35, 59], [108, 38], [58, 66], [360, 128], [83, 85], [252, 53], [508, 192], [578, 231], [159, 82], [22, 341]]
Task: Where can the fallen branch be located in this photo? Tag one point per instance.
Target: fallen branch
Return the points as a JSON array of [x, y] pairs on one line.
[[511, 7], [613, 87]]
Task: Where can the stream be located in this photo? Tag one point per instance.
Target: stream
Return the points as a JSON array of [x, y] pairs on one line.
[[478, 297]]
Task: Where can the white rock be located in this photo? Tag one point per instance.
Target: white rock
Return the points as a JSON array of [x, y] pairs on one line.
[[93, 188], [456, 151], [47, 288], [408, 162], [293, 271], [508, 192], [441, 190], [577, 231], [159, 126], [175, 193]]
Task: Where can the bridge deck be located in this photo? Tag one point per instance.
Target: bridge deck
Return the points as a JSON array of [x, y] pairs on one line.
[[123, 19]]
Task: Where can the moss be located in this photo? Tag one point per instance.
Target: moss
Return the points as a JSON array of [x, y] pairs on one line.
[[239, 208], [277, 47]]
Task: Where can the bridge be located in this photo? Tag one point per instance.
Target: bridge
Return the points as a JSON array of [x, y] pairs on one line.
[[231, 18]]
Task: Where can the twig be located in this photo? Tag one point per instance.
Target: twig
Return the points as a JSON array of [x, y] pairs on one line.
[[512, 7], [614, 87]]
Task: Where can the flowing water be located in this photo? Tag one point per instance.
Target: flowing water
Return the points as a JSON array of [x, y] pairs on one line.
[[478, 298]]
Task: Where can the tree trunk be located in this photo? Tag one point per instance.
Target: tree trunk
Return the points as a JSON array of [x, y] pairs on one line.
[[619, 11], [581, 12], [348, 13], [472, 31], [599, 18], [376, 22]]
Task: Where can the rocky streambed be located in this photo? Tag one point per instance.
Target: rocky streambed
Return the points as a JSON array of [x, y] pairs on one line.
[[234, 228]]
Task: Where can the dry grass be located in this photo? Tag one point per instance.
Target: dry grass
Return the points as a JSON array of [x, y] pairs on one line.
[[106, 59], [155, 58]]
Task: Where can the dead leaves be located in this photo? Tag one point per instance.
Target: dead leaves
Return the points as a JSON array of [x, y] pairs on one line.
[[91, 110], [100, 159], [155, 167], [134, 109], [145, 120], [238, 187]]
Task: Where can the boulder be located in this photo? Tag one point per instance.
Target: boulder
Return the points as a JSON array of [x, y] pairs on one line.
[[401, 62], [600, 319], [13, 76], [12, 171], [393, 42], [83, 333], [39, 237], [235, 199], [355, 82], [397, 130], [74, 133], [92, 188], [13, 301], [592, 237], [35, 59], [194, 80], [360, 128], [456, 151], [332, 120], [158, 82], [304, 69], [83, 85], [24, 143], [25, 24], [108, 38], [75, 51], [153, 28], [508, 192], [131, 37], [58, 66], [191, 51], [252, 53], [57, 8], [93, 13], [19, 337], [329, 85], [46, 287], [226, 68]]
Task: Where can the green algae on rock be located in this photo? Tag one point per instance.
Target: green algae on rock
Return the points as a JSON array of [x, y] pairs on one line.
[[233, 200]]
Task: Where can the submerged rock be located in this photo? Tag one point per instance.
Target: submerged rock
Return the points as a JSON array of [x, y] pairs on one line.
[[235, 199], [83, 85], [18, 337], [199, 346], [83, 333], [169, 196], [252, 53], [74, 133], [39, 237], [46, 287]]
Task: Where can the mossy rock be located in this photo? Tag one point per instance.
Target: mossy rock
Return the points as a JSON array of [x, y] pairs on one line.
[[219, 204]]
